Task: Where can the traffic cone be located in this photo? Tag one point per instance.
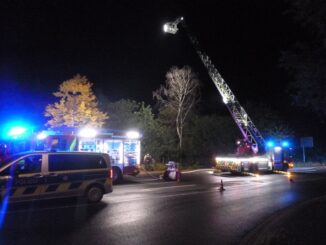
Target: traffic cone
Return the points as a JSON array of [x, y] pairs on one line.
[[178, 176], [289, 176], [222, 187]]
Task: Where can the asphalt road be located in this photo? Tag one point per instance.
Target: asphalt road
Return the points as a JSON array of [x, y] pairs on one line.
[[151, 211]]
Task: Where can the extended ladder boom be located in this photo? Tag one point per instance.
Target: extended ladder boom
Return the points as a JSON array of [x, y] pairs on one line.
[[249, 131]]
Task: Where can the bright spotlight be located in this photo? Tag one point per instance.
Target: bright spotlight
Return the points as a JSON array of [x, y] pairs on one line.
[[87, 133], [172, 27], [225, 100], [42, 135], [133, 135], [165, 28], [16, 131]]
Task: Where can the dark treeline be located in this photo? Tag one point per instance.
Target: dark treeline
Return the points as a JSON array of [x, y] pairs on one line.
[[205, 136]]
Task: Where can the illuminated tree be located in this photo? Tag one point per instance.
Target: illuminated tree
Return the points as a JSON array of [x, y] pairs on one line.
[[77, 105], [180, 94]]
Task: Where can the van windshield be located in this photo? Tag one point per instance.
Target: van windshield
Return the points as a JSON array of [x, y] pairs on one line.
[[5, 161]]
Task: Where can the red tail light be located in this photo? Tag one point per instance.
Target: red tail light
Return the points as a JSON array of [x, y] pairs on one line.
[[110, 173]]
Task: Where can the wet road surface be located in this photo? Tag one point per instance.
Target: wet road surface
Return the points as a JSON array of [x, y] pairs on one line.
[[151, 211]]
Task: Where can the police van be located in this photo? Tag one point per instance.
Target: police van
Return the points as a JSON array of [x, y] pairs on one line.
[[42, 175]]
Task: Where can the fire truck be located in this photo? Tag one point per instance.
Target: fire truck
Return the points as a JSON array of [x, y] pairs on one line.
[[123, 147], [253, 153]]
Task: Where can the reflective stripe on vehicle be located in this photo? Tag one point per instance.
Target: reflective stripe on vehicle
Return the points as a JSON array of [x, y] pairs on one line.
[[55, 188], [26, 190]]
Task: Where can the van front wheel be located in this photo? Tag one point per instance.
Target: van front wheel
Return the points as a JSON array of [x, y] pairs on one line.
[[94, 194]]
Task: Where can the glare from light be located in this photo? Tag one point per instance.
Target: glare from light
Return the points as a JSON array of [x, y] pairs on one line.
[[16, 131], [277, 148], [42, 135], [239, 159], [165, 28], [87, 133], [133, 135], [170, 28], [3, 209], [5, 199], [270, 143], [285, 143], [225, 100]]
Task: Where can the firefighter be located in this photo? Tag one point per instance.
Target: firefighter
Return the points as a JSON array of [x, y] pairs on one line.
[[148, 161]]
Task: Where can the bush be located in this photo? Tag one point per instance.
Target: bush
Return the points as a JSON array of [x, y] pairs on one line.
[[159, 166], [154, 167]]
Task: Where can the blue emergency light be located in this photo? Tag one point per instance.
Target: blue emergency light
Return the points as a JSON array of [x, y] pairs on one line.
[[270, 143], [16, 130], [285, 144]]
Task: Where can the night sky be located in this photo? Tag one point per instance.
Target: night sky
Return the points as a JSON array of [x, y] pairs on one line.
[[120, 47]]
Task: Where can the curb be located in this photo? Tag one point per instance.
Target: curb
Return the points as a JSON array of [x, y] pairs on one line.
[[276, 230]]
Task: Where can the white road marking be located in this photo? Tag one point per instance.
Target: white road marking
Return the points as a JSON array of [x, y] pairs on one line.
[[167, 187], [193, 171], [132, 191], [248, 185], [159, 197]]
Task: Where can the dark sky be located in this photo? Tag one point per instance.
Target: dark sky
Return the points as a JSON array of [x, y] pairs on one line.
[[120, 47]]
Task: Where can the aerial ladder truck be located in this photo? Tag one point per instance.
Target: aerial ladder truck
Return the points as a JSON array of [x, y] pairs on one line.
[[253, 153]]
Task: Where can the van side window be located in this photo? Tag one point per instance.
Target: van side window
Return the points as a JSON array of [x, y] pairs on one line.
[[30, 164], [26, 165], [63, 162]]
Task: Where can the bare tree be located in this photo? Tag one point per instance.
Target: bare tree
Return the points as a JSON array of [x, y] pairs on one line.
[[180, 94]]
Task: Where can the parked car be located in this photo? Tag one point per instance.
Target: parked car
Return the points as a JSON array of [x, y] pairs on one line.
[[41, 175]]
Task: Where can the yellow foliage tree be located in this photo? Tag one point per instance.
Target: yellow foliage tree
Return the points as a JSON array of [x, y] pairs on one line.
[[77, 106]]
